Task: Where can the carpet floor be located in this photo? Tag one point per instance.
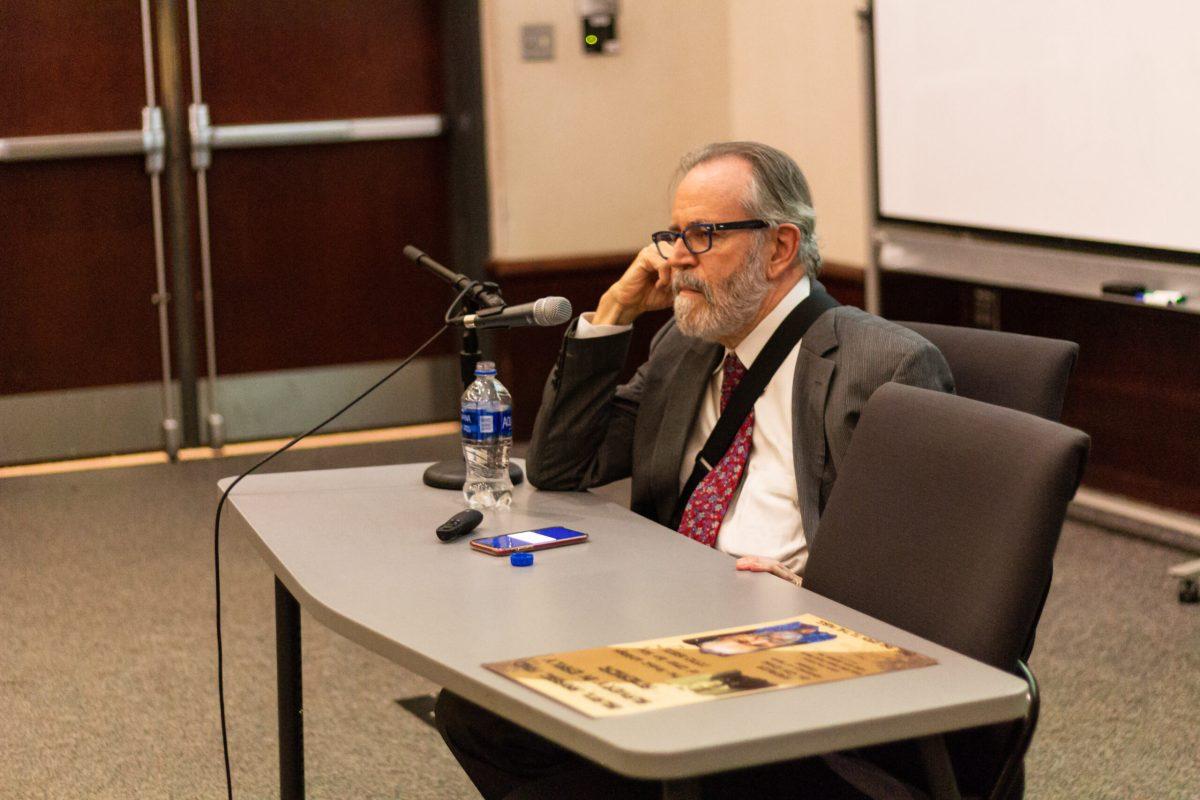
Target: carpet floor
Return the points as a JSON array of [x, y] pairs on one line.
[[108, 673]]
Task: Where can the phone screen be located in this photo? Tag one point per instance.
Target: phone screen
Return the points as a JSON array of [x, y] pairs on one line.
[[528, 540]]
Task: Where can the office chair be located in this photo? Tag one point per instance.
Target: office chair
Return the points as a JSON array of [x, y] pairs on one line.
[[943, 521], [1026, 373]]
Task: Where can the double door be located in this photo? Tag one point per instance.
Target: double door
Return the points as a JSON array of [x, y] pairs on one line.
[[315, 148]]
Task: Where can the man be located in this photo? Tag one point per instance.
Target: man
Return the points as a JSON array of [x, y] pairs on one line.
[[730, 289], [738, 261]]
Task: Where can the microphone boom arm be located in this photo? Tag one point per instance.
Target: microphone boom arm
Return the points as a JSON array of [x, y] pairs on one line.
[[479, 294]]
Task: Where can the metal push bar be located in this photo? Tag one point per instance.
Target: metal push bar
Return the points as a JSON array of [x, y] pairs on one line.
[[418, 126], [72, 145]]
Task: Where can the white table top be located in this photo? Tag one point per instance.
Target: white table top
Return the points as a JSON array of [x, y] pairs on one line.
[[357, 549]]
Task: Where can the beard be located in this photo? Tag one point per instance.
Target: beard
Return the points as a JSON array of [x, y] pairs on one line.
[[725, 308]]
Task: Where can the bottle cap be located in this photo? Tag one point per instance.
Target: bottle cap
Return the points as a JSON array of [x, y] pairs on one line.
[[485, 368], [521, 559]]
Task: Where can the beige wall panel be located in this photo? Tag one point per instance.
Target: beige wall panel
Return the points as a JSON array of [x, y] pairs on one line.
[[581, 149], [795, 69]]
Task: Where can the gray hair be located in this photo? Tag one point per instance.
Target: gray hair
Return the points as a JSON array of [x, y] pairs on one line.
[[778, 191]]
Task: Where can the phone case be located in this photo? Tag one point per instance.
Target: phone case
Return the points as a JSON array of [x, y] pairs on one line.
[[539, 539]]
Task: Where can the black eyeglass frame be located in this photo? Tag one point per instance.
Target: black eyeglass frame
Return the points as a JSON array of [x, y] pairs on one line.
[[670, 237]]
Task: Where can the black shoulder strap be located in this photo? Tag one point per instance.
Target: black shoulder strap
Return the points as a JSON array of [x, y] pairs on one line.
[[751, 387]]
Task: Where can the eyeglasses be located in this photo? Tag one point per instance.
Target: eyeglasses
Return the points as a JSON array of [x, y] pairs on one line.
[[698, 237]]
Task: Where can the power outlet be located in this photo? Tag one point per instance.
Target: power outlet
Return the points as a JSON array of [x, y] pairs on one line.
[[537, 42]]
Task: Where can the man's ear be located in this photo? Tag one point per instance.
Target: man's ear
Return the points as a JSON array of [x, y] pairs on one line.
[[783, 252]]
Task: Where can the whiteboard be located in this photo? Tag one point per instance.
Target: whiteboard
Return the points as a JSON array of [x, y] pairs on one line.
[[1066, 118]]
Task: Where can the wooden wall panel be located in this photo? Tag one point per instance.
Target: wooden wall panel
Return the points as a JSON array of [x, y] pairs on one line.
[[306, 247], [70, 67], [315, 59], [76, 275], [1135, 389], [844, 283]]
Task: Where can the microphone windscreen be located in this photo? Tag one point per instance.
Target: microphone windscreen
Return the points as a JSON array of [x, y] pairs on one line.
[[412, 253], [551, 311]]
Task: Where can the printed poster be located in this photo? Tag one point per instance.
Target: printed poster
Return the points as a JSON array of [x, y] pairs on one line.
[[696, 668]]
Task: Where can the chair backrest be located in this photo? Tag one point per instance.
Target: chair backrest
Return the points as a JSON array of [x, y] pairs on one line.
[[1027, 373], [945, 517]]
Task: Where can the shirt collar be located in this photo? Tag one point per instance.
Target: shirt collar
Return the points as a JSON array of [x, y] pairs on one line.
[[756, 340]]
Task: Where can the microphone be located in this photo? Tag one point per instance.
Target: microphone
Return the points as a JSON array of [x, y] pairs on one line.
[[482, 296], [547, 311]]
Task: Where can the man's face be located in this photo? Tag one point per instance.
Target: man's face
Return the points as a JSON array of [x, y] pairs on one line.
[[717, 293]]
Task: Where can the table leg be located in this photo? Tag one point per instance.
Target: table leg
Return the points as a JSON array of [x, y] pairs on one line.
[[938, 769], [685, 789], [291, 694]]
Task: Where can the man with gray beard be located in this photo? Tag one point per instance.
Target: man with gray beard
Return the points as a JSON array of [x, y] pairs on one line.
[[739, 257], [739, 264]]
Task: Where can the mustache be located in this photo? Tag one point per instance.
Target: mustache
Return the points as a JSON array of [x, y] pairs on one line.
[[686, 280]]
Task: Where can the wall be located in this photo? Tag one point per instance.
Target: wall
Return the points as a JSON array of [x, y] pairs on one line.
[[581, 149], [796, 77]]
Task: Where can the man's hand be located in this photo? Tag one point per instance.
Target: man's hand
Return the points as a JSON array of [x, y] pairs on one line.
[[645, 286], [761, 564]]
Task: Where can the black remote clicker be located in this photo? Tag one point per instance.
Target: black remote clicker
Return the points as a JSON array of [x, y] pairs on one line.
[[460, 523]]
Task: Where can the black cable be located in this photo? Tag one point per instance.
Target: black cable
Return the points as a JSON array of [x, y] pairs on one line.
[[217, 538], [446, 318]]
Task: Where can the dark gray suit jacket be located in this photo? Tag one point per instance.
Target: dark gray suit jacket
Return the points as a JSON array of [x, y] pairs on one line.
[[589, 431]]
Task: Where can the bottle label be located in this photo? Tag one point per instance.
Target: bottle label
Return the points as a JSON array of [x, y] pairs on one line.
[[480, 424]]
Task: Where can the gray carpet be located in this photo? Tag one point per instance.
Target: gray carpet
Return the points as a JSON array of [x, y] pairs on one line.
[[1118, 661], [107, 671]]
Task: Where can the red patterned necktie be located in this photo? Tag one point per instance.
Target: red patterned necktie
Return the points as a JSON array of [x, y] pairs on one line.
[[710, 501]]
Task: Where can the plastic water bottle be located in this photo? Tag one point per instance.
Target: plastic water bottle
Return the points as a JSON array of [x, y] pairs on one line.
[[486, 439]]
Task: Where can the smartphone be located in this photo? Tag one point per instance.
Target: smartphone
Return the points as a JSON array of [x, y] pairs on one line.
[[522, 541]]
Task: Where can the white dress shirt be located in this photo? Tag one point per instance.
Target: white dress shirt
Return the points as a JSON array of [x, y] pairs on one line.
[[764, 516]]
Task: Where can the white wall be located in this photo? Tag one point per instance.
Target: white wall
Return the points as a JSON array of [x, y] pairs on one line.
[[796, 72], [581, 149]]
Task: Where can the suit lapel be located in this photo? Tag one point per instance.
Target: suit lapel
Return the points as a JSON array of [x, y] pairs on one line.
[[683, 387], [810, 390]]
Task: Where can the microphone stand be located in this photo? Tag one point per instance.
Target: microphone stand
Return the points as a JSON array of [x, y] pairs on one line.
[[452, 473]]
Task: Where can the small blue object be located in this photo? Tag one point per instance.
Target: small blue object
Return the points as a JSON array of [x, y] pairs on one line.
[[521, 559]]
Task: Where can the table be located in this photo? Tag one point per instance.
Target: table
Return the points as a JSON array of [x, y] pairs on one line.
[[356, 548]]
